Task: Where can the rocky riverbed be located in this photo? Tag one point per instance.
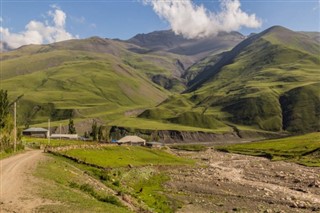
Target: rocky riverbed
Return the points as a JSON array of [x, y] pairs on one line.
[[224, 182]]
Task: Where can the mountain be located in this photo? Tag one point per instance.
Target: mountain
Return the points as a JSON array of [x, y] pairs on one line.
[[168, 41], [89, 78], [270, 81]]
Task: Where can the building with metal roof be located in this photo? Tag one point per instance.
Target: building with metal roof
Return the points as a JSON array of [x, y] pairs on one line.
[[36, 132]]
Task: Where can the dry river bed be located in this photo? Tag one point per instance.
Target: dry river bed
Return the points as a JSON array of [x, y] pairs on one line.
[[224, 182]]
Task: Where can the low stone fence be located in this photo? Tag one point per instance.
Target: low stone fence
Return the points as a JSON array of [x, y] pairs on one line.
[[70, 147]]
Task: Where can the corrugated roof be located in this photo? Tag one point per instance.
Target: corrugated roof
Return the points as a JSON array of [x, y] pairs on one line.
[[132, 139], [35, 129]]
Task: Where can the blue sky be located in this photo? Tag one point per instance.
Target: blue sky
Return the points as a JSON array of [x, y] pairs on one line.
[[124, 19]]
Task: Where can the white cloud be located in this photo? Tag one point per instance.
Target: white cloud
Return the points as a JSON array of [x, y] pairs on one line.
[[59, 17], [37, 32], [195, 21]]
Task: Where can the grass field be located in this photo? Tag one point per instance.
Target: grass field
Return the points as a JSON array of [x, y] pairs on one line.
[[304, 149], [121, 156]]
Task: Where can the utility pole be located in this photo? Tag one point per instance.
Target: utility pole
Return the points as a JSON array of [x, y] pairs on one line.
[[15, 128]]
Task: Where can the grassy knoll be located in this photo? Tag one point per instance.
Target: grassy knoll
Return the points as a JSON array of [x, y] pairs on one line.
[[304, 149], [120, 156], [71, 190]]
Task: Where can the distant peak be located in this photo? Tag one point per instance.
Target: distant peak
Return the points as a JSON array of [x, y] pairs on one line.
[[275, 29]]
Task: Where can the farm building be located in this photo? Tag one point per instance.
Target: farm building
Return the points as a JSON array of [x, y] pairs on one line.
[[132, 140], [36, 132], [65, 136]]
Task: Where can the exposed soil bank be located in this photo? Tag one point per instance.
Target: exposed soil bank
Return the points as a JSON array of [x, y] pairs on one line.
[[174, 136]]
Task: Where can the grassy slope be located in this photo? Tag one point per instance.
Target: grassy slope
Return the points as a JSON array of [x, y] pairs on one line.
[[56, 78], [60, 178], [247, 92], [304, 149]]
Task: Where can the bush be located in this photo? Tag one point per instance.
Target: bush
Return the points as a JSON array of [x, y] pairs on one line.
[[116, 183]]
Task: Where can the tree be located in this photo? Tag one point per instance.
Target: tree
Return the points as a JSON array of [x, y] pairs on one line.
[[4, 107], [6, 121], [94, 131], [100, 133], [72, 129]]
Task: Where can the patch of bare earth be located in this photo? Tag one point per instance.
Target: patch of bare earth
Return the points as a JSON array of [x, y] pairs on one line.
[[224, 182], [17, 183]]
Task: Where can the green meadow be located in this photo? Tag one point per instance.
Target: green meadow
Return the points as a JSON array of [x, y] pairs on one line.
[[304, 149], [121, 156]]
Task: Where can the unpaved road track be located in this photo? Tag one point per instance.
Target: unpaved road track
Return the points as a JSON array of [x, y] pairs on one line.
[[16, 182]]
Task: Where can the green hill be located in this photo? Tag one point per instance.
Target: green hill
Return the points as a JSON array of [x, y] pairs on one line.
[[270, 81], [79, 78]]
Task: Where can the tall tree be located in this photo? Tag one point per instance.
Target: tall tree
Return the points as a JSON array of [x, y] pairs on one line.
[[94, 131], [100, 133], [4, 107], [72, 129]]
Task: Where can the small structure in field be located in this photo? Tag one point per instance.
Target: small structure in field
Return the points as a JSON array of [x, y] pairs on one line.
[[36, 132], [132, 140], [65, 136]]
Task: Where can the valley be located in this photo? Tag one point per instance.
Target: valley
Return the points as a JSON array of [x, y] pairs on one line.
[[151, 106]]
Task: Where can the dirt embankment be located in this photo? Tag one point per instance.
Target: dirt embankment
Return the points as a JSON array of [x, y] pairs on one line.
[[225, 182], [175, 136]]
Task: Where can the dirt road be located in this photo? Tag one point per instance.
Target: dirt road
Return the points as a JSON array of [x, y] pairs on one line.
[[16, 182]]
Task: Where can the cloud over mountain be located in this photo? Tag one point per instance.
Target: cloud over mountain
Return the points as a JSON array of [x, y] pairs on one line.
[[37, 32], [195, 21]]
